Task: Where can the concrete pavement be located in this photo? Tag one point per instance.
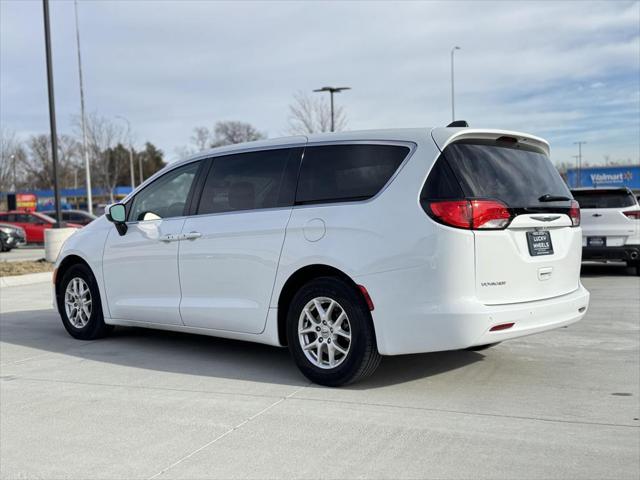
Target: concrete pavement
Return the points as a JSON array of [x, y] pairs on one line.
[[145, 404], [23, 254]]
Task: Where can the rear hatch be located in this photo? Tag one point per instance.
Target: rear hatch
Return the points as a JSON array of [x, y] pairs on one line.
[[606, 217], [523, 217]]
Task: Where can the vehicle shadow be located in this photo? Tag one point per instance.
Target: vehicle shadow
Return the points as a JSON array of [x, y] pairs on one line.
[[198, 355], [600, 269]]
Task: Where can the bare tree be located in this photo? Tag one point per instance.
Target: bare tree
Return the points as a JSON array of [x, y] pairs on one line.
[[102, 136], [223, 133], [313, 115], [37, 168], [231, 132], [12, 153], [201, 138]]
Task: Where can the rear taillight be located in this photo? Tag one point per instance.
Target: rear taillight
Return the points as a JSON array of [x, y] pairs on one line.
[[574, 213], [471, 214], [633, 214]]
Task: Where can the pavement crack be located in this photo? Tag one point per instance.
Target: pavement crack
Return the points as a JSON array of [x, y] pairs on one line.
[[228, 432], [477, 414], [143, 387], [28, 359]]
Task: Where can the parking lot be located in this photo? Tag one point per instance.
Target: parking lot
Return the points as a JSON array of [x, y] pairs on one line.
[[145, 404]]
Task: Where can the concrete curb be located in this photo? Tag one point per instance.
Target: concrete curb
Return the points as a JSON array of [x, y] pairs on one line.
[[26, 279]]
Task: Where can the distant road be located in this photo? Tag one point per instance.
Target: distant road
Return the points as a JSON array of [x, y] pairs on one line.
[[22, 254]]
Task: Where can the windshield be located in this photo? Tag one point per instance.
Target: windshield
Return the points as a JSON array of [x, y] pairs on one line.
[[518, 177], [604, 198]]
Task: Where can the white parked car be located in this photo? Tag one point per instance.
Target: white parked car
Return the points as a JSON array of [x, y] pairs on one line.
[[343, 247], [611, 225]]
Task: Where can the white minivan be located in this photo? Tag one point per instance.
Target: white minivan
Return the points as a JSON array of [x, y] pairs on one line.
[[343, 247]]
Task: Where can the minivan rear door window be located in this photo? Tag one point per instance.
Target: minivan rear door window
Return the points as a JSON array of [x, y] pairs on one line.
[[520, 177]]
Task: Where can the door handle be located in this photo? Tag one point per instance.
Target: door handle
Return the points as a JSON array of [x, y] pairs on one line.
[[169, 238], [191, 235]]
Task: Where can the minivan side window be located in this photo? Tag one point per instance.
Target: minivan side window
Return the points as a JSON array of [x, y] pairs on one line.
[[166, 197], [250, 181], [334, 173]]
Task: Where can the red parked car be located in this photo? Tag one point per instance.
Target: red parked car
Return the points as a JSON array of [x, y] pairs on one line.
[[33, 223]]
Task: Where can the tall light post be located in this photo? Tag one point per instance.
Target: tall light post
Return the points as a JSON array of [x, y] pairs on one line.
[[576, 157], [579, 161], [141, 176], [133, 180], [52, 112], [87, 165], [453, 100], [331, 91], [13, 163]]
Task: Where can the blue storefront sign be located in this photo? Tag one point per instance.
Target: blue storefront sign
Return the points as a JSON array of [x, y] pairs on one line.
[[605, 177]]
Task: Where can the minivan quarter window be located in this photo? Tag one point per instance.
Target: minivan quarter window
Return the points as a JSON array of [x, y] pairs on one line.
[[334, 173], [166, 197]]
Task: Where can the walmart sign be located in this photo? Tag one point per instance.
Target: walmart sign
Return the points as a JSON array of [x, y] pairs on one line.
[[605, 177]]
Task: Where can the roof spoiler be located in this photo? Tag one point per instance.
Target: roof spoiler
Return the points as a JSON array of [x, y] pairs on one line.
[[458, 123]]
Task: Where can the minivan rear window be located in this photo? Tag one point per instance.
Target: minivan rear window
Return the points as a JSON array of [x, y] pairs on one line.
[[334, 173], [519, 177], [604, 198]]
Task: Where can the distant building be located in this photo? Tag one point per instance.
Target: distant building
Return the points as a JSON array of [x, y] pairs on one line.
[[70, 197], [626, 176]]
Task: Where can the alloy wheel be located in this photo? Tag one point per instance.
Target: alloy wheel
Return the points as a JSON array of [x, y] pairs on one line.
[[324, 332], [77, 302]]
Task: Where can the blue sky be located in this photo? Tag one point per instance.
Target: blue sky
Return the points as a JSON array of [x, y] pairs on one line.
[[566, 71]]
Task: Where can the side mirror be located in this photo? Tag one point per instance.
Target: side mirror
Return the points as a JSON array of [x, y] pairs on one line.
[[117, 214]]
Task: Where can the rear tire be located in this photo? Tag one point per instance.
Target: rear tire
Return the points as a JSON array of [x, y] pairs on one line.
[[79, 304], [330, 333]]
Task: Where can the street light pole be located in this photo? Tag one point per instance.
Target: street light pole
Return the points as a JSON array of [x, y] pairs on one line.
[[13, 162], [331, 91], [576, 157], [87, 165], [579, 161], [333, 127], [133, 179], [141, 176], [453, 107], [52, 112]]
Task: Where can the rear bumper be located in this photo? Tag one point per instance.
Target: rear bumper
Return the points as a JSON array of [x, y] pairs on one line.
[[626, 253], [536, 317], [405, 322]]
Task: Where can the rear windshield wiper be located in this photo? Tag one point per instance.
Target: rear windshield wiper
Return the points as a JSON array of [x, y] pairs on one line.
[[547, 197]]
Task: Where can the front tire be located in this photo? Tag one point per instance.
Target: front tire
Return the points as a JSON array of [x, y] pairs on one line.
[[79, 304], [330, 333]]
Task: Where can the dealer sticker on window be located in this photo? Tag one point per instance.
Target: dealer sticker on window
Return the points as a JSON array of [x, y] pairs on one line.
[[539, 243]]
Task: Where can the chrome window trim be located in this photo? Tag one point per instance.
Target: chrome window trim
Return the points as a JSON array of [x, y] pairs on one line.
[[209, 156]]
